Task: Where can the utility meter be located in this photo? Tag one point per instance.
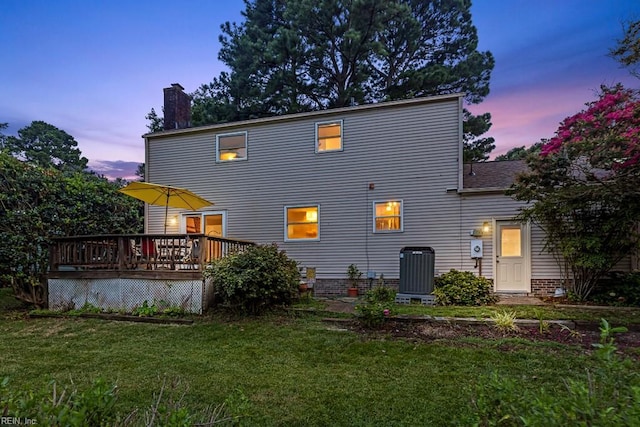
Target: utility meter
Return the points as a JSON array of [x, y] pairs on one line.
[[476, 248]]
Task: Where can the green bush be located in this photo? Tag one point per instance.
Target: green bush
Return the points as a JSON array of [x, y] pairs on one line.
[[618, 289], [384, 294], [145, 310], [463, 288], [377, 306], [255, 280]]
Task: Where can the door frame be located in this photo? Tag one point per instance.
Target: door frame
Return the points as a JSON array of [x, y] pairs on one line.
[[526, 249]]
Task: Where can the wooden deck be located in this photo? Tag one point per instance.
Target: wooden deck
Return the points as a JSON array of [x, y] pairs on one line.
[[159, 256]]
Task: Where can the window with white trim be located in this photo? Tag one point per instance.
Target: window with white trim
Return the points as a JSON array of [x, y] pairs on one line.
[[302, 222], [211, 223], [329, 136], [231, 146], [387, 216]]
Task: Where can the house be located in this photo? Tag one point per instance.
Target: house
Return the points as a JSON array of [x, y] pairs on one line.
[[352, 185]]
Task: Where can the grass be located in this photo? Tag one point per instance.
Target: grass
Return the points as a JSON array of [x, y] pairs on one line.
[[7, 301], [624, 316], [290, 369]]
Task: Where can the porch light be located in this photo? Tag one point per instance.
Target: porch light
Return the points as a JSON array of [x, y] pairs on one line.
[[173, 220], [479, 232], [486, 227]]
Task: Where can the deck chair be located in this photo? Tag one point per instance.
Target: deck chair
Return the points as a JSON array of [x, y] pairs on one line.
[[192, 255], [148, 252]]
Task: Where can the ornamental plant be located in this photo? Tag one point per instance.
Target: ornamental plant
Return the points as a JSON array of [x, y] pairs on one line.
[[505, 321], [463, 288], [584, 189], [256, 280], [378, 305], [354, 275]]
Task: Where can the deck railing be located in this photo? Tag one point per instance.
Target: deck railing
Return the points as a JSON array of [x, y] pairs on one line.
[[124, 252]]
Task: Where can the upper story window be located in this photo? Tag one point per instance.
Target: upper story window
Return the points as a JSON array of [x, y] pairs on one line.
[[329, 136], [387, 216], [231, 146], [302, 222]]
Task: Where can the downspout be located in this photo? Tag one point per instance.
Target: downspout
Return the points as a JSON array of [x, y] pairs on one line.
[[460, 145]]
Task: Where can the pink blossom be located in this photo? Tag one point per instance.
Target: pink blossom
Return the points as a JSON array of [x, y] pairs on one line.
[[608, 125]]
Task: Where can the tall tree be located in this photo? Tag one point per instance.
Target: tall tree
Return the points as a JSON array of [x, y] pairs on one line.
[[628, 50], [45, 145], [140, 171], [521, 153], [584, 188], [156, 122], [476, 149], [38, 203], [3, 137], [294, 56]]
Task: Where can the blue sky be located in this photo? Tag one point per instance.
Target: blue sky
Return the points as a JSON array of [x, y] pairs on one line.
[[95, 68]]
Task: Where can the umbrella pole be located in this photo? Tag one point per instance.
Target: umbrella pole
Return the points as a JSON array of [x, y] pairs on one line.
[[166, 212]]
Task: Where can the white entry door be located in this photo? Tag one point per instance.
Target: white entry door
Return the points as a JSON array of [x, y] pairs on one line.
[[512, 263]]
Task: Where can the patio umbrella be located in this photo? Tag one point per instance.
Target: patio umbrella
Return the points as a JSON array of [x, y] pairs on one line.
[[165, 195]]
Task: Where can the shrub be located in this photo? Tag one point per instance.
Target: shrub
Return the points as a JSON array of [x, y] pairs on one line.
[[463, 288], [619, 289], [378, 305], [381, 293], [255, 280]]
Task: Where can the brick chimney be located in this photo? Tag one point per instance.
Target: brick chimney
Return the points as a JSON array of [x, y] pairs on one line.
[[177, 108]]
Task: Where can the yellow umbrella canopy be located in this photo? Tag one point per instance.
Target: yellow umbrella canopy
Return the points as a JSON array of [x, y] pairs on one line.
[[165, 195]]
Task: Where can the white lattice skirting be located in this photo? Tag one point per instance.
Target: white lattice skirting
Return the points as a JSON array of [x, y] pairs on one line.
[[126, 294]]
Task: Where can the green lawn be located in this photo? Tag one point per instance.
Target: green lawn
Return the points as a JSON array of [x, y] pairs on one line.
[[615, 315], [279, 370]]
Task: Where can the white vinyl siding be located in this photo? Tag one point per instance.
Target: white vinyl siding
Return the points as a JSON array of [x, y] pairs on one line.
[[479, 208], [231, 147], [408, 150]]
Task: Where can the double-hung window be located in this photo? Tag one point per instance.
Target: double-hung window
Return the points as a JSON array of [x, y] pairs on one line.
[[387, 216], [231, 146], [302, 222], [329, 136]]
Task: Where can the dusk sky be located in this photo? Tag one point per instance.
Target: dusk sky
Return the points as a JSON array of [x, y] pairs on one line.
[[95, 68]]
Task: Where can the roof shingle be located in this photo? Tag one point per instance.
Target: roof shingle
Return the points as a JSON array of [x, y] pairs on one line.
[[492, 174]]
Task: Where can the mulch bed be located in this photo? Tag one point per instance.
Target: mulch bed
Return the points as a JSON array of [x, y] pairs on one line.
[[628, 343]]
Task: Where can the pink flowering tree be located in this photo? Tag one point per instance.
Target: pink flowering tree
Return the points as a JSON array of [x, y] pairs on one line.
[[583, 189]]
